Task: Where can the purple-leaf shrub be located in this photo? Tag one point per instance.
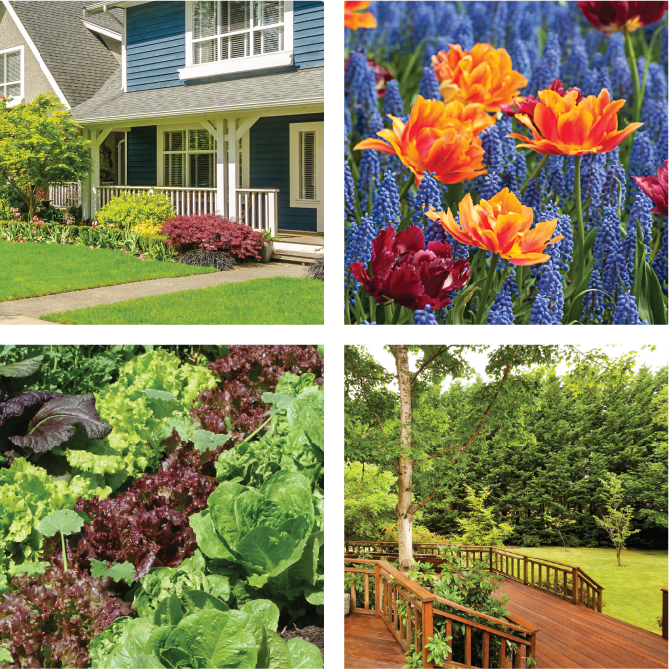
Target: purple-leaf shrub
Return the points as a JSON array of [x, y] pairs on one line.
[[245, 374], [47, 620], [215, 233]]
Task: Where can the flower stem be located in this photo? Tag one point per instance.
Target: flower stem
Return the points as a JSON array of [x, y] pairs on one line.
[[397, 310], [580, 231], [635, 76], [483, 300], [534, 174], [407, 187]]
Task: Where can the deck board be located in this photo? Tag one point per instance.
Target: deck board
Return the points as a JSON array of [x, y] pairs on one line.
[[369, 643], [573, 636]]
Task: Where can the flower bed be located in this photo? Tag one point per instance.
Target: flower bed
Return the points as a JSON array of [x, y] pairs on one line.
[[506, 176], [116, 546]]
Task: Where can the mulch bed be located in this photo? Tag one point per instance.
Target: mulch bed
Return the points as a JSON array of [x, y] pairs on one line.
[[309, 628]]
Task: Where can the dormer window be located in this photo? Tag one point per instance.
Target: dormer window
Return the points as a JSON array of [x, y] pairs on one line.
[[229, 37]]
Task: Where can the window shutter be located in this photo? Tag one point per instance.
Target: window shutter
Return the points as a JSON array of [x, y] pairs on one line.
[[307, 148]]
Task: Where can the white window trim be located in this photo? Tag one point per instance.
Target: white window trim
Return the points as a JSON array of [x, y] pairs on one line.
[[294, 166], [234, 65], [124, 53], [160, 147], [17, 100]]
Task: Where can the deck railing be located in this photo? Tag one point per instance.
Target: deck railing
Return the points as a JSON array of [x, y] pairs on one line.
[[664, 613], [259, 208], [409, 612], [65, 195], [560, 579], [186, 201]]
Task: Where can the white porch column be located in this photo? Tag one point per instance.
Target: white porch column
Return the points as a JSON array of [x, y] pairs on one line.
[[86, 184], [97, 140], [220, 167], [233, 167]]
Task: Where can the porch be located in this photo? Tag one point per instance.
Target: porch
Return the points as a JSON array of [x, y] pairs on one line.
[[264, 171]]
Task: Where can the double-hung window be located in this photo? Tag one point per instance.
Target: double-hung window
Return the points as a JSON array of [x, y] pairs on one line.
[[11, 73], [227, 37], [189, 159]]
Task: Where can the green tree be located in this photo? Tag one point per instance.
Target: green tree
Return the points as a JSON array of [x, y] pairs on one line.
[[368, 502], [480, 526], [40, 144], [409, 431], [556, 524], [617, 520]]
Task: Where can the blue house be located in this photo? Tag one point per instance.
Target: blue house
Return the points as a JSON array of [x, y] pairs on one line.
[[220, 104]]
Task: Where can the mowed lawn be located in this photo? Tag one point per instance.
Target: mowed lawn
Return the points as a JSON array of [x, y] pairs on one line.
[[631, 593], [273, 301], [31, 270]]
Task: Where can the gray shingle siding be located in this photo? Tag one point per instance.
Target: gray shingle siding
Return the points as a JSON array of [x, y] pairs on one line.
[[76, 58]]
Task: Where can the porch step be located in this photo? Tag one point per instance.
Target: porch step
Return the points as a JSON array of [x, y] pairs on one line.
[[295, 256]]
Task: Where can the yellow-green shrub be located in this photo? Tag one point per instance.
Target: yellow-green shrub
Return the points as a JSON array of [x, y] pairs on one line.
[[144, 213]]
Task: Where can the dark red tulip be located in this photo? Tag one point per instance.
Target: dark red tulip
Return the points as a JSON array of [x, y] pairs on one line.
[[616, 16], [381, 75], [656, 189], [407, 274]]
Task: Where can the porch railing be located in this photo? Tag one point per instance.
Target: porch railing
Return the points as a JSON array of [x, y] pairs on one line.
[[185, 200], [259, 208], [409, 612], [560, 579], [66, 195]]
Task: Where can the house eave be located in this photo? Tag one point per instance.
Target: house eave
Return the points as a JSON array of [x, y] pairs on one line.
[[233, 110], [97, 7], [103, 31]]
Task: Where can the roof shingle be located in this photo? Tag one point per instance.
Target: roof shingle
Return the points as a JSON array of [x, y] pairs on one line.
[[272, 90], [78, 60]]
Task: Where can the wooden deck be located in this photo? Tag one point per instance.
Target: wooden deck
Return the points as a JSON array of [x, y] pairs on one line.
[[369, 643], [574, 636]]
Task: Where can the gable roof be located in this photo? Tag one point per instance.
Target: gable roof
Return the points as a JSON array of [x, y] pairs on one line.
[[287, 89], [76, 58], [105, 20]]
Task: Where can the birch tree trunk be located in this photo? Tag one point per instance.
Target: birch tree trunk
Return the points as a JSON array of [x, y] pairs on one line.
[[405, 465]]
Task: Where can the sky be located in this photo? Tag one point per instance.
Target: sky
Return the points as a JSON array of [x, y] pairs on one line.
[[653, 359]]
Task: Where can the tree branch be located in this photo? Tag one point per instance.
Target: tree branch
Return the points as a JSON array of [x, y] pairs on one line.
[[486, 413], [419, 371], [420, 505]]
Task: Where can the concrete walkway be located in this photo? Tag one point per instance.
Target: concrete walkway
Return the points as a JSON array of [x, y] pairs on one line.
[[25, 312]]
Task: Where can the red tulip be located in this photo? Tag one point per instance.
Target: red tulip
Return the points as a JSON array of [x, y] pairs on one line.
[[527, 104], [656, 189], [616, 16], [406, 273]]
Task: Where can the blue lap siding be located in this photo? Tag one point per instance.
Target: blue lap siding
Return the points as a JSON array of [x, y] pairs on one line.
[[308, 35], [270, 166], [142, 159], [156, 45]]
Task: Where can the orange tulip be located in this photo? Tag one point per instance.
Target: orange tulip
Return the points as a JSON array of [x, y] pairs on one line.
[[438, 137], [500, 225], [563, 126], [483, 75], [355, 18]]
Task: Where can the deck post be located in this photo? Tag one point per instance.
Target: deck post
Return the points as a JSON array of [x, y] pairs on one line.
[[574, 585], [599, 598], [664, 613], [490, 558], [426, 614], [525, 569], [377, 590]]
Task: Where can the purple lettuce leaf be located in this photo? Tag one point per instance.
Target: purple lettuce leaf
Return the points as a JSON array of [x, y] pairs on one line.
[[14, 407], [57, 421]]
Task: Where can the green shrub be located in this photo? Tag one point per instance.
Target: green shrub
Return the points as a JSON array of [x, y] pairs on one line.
[[531, 541], [142, 212]]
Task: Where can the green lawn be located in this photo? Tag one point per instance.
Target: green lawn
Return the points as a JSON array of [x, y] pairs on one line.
[[631, 593], [30, 270], [276, 301]]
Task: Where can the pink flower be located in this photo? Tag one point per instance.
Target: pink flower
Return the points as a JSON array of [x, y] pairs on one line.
[[34, 229], [95, 224], [68, 222], [91, 248], [17, 214], [41, 223], [655, 187], [141, 257], [111, 225], [35, 218]]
